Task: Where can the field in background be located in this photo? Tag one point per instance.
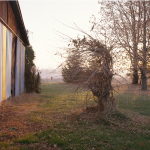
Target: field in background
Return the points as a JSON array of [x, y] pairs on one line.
[[55, 119]]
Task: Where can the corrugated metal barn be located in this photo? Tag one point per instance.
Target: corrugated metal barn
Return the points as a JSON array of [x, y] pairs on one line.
[[13, 40]]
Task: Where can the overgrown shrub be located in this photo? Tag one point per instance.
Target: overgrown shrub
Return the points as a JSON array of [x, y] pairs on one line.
[[90, 65]]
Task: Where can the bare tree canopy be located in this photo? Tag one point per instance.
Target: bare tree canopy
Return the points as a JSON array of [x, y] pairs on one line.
[[126, 26]]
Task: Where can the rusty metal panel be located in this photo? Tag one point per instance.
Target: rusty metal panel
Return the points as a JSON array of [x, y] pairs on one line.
[[22, 67], [3, 10], [1, 58], [12, 20], [17, 68], [8, 63], [14, 40], [11, 15]]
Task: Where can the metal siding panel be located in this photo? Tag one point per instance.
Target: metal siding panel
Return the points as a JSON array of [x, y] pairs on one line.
[[4, 65], [22, 68], [14, 39], [17, 67], [1, 59], [8, 63]]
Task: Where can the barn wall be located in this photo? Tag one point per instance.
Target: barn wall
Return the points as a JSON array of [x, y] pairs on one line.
[[17, 69], [14, 41], [22, 69], [1, 59], [8, 63], [3, 10], [4, 65], [12, 64], [12, 23], [8, 16]]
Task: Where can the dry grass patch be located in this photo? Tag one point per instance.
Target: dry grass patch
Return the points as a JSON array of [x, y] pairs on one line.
[[14, 116]]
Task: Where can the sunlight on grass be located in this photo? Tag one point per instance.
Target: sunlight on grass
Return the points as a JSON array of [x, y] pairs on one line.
[[62, 97], [35, 118], [27, 139]]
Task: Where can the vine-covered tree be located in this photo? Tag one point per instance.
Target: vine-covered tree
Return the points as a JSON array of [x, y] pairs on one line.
[[95, 68]]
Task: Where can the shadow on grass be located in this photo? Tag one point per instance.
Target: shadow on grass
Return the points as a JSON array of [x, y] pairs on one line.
[[140, 104]]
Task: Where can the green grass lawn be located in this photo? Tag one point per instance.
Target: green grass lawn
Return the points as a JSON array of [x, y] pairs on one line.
[[136, 103], [120, 131]]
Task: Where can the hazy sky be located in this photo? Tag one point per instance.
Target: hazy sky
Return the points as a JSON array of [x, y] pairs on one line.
[[45, 19]]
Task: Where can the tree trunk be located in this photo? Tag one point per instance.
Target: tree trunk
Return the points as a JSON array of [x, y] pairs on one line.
[[144, 80], [135, 77], [134, 39], [104, 103], [101, 105]]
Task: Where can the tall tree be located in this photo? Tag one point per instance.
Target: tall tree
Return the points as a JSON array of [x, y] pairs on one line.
[[72, 70], [32, 74], [122, 23], [144, 69]]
